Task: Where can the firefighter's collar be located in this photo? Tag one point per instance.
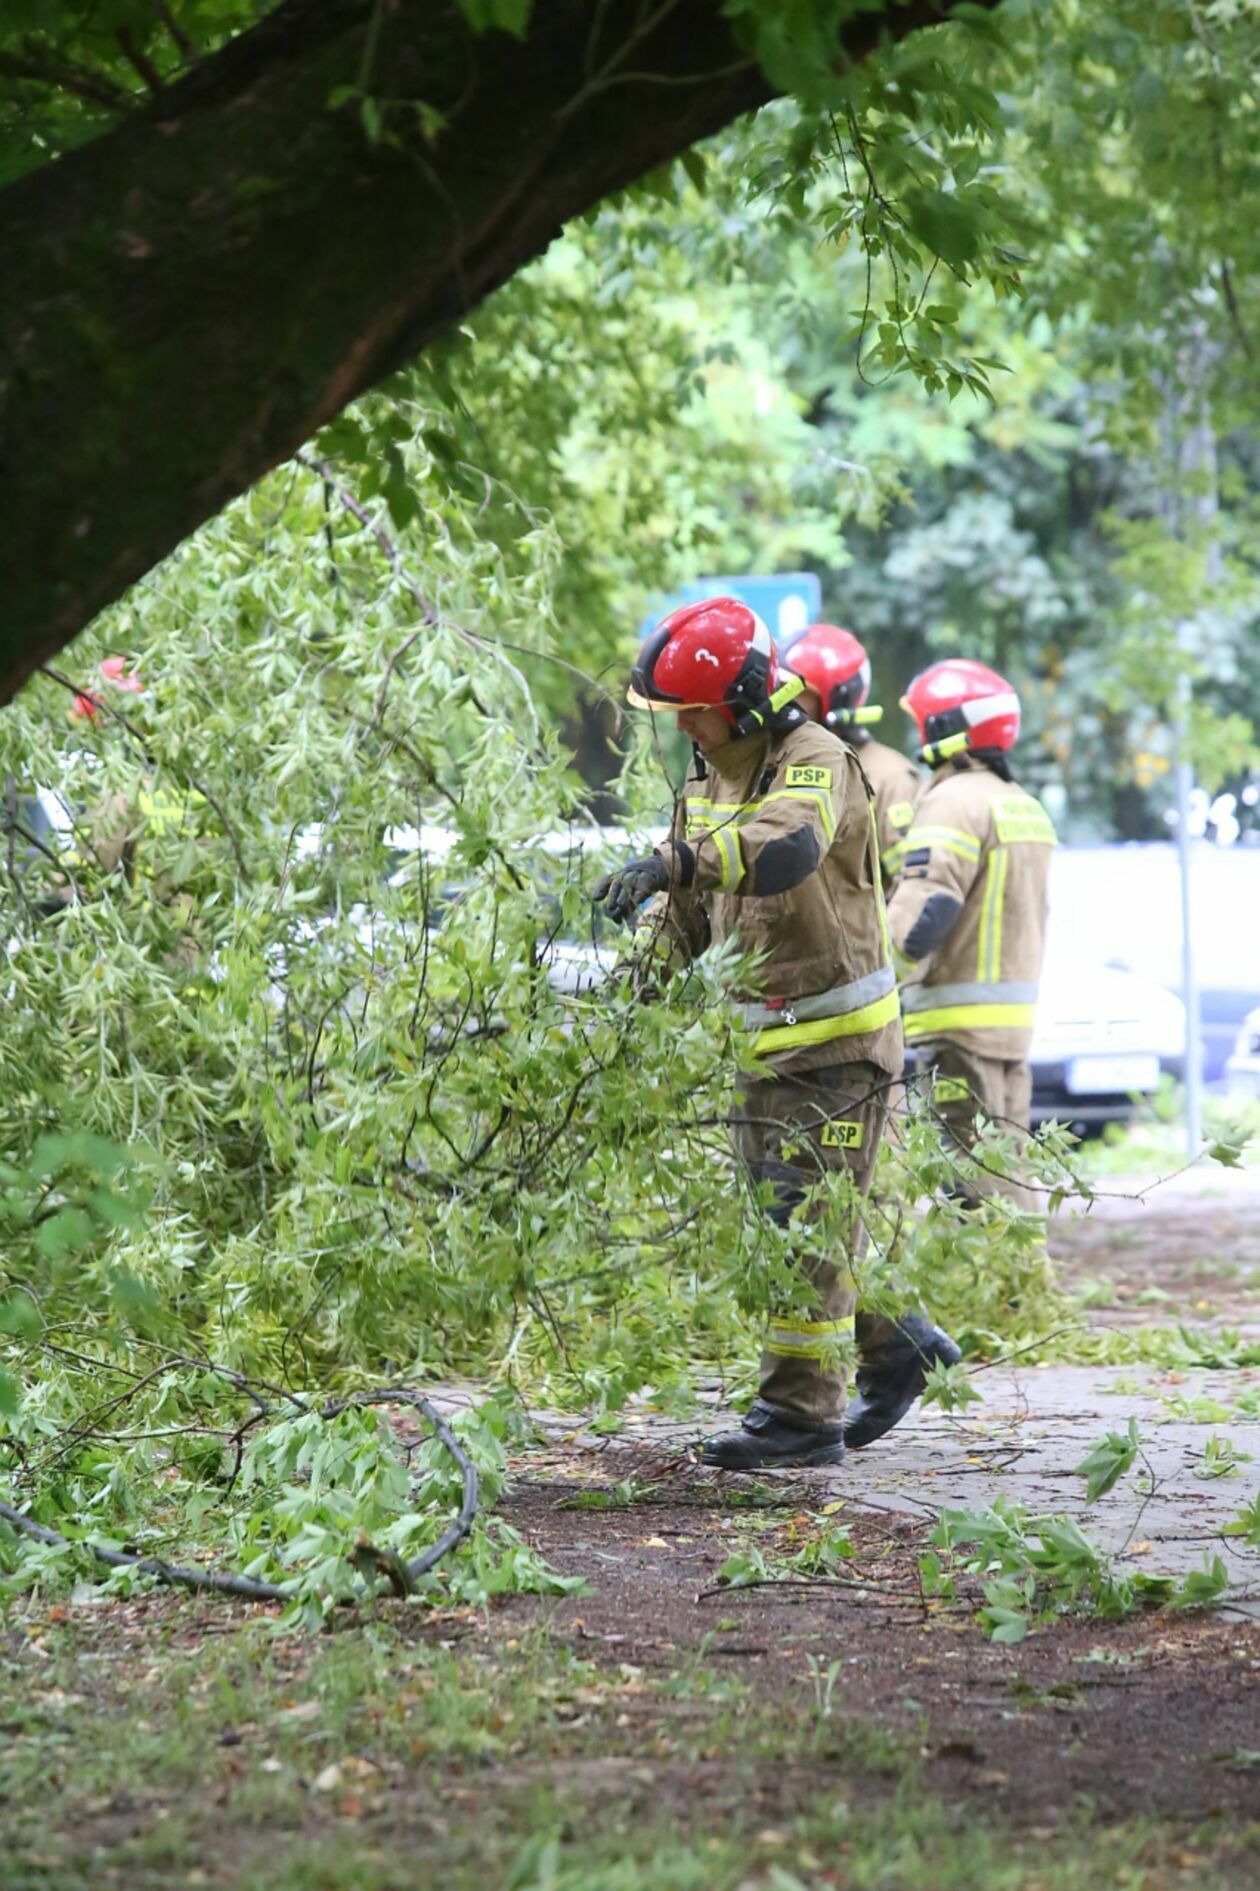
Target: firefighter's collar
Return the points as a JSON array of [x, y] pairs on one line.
[[731, 758]]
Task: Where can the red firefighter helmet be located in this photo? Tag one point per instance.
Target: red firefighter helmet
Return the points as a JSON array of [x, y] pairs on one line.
[[113, 670], [834, 664], [961, 704], [714, 655]]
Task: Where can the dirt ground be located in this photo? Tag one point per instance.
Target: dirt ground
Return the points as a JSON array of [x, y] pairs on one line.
[[1146, 1717], [1189, 1249], [1158, 1715]]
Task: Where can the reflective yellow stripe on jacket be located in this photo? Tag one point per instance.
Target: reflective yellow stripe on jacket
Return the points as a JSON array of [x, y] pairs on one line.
[[788, 1037], [713, 818], [954, 840], [969, 1018], [863, 1004], [992, 1004], [989, 957]]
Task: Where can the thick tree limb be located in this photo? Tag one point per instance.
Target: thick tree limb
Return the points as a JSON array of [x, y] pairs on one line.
[[187, 298]]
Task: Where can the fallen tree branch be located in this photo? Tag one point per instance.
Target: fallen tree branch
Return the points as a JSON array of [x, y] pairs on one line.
[[401, 1577], [908, 1598]]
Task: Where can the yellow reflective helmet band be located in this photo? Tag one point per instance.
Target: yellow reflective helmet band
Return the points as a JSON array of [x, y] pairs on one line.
[[933, 752], [787, 692]]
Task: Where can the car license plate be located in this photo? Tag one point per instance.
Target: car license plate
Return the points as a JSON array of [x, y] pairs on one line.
[[1112, 1076]]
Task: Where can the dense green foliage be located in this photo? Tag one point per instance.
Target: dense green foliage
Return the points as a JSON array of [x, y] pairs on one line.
[[366, 1134], [292, 1094]]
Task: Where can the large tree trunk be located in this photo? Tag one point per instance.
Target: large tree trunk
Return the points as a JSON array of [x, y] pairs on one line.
[[190, 296]]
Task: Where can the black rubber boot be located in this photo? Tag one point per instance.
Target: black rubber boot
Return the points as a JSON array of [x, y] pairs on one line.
[[888, 1384], [767, 1441]]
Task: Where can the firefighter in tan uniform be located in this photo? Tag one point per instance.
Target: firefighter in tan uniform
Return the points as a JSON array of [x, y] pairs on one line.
[[836, 672], [108, 836], [773, 841], [969, 916], [893, 1356]]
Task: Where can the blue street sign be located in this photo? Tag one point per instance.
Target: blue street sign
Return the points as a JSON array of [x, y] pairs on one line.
[[785, 602]]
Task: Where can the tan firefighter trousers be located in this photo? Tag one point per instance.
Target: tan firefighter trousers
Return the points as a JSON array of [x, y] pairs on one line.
[[788, 1132], [960, 1084]]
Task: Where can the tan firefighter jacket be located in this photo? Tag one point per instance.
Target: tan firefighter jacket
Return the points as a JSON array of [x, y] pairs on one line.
[[897, 785], [773, 841], [968, 918]]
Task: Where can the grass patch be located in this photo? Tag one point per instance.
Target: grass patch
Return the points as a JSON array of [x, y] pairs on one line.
[[147, 1755]]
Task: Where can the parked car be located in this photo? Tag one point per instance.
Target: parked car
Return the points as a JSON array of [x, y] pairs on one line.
[[1103, 1040], [1242, 1067], [1120, 906]]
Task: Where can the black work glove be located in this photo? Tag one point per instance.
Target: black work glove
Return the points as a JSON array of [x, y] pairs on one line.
[[625, 891]]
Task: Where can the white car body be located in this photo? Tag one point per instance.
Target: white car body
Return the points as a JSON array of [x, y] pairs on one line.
[[1102, 1038]]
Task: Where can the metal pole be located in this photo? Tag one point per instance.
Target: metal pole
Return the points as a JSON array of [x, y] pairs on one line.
[[1194, 455], [1189, 982]]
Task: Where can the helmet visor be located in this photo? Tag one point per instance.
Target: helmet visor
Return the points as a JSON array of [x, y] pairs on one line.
[[657, 705]]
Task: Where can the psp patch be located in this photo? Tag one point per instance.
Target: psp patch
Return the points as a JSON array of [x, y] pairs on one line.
[[841, 1135], [950, 1090], [901, 813], [809, 777]]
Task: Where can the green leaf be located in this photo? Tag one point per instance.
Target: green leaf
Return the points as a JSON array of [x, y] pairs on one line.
[[945, 224], [65, 1232], [10, 1396], [1202, 1588], [134, 1299], [744, 1566], [697, 169], [1246, 1523], [950, 1387], [20, 1316], [1107, 1463], [511, 16], [1010, 1628]]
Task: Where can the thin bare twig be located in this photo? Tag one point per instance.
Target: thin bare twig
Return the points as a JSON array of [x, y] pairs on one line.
[[139, 61], [176, 31]]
